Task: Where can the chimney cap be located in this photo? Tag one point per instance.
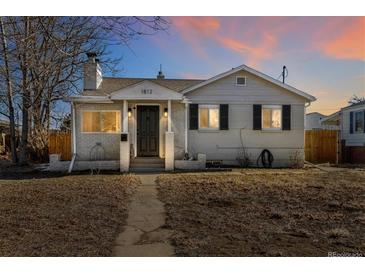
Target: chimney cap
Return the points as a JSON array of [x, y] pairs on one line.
[[160, 74], [91, 54]]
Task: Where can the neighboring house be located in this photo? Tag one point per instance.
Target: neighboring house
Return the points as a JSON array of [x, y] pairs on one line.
[[351, 121], [313, 121], [4, 136], [117, 120]]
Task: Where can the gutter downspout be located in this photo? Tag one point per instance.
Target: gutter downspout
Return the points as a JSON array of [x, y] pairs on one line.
[[73, 138], [186, 127], [305, 117]]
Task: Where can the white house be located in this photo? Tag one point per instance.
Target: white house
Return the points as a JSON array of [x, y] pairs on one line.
[[313, 121], [132, 122], [351, 121]]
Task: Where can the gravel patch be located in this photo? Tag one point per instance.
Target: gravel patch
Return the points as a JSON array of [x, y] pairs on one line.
[[260, 212], [76, 215]]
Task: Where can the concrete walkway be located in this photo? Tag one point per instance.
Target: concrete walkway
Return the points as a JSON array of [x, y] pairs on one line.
[[143, 235]]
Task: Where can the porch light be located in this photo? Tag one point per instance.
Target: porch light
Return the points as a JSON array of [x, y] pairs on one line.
[[165, 112], [129, 112]]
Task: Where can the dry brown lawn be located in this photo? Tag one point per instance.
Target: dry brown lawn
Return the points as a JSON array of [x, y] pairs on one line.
[[261, 212], [77, 215]]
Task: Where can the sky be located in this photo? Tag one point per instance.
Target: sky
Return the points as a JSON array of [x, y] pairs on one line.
[[325, 56]]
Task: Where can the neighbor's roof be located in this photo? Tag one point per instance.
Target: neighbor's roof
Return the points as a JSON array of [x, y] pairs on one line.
[[355, 105], [315, 112], [111, 84], [332, 117]]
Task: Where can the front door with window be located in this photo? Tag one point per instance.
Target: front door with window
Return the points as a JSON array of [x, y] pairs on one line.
[[147, 131]]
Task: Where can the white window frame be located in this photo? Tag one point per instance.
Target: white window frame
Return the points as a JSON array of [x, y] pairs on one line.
[[239, 85], [362, 118], [99, 132], [262, 117], [208, 106]]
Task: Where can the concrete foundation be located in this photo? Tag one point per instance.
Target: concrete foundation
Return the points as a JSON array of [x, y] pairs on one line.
[[56, 165], [192, 165]]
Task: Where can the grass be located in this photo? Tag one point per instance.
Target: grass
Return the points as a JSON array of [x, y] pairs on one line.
[[265, 212], [77, 215]]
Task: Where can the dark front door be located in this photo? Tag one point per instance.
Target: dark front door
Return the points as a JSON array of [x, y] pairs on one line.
[[147, 131]]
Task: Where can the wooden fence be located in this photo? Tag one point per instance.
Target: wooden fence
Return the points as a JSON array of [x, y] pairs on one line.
[[60, 143], [322, 146]]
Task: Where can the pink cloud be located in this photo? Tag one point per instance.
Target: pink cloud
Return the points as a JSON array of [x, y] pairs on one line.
[[200, 32], [262, 38], [348, 43], [255, 53], [195, 29]]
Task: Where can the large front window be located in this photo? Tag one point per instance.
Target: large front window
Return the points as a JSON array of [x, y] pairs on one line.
[[271, 117], [101, 121], [208, 116], [359, 121]]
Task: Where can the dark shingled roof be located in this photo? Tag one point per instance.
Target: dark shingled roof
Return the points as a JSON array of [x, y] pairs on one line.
[[110, 84]]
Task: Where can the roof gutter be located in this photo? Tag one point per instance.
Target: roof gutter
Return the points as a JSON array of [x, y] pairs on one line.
[[88, 99]]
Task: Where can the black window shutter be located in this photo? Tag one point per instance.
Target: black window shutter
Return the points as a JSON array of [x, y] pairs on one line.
[[256, 117], [193, 116], [223, 117], [286, 119], [364, 122], [351, 122]]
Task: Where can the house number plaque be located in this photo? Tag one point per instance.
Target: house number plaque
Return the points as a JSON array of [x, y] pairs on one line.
[[146, 91]]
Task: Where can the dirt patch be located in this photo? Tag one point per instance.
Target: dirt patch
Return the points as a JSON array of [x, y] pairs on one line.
[[266, 212], [76, 215]]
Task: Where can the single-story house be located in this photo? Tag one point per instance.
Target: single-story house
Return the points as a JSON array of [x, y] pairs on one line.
[[351, 121], [313, 121], [133, 122]]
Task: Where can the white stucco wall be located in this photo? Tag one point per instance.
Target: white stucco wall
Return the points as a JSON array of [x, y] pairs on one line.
[[111, 141], [85, 141]]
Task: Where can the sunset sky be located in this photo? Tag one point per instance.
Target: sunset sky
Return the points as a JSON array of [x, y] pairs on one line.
[[325, 56]]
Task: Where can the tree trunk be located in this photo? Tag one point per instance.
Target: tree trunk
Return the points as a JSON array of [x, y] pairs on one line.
[[14, 156], [25, 98]]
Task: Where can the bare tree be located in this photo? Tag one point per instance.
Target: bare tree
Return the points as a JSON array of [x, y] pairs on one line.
[[45, 56], [9, 93], [356, 99]]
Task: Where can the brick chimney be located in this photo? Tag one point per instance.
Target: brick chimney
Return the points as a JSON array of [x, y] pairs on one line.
[[92, 72]]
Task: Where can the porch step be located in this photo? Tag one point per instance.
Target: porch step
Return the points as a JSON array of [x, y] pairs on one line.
[[147, 169], [147, 162]]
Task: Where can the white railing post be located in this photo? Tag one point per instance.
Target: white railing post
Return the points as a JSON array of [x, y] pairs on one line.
[[125, 116], [186, 127], [169, 115]]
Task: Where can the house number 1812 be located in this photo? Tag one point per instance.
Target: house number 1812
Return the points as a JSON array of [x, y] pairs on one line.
[[146, 91]]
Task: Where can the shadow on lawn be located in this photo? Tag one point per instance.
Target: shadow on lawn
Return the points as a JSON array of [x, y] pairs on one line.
[[36, 174]]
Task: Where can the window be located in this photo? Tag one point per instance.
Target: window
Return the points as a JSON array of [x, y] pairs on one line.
[[240, 81], [101, 121], [208, 116], [359, 121], [271, 117]]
